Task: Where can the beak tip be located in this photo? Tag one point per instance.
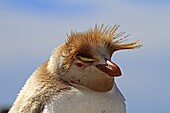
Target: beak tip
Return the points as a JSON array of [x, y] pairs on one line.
[[119, 73]]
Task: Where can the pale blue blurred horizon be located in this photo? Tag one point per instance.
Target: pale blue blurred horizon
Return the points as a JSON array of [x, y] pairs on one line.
[[30, 30]]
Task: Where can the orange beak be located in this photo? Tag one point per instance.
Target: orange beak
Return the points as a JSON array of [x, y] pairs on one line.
[[110, 68]]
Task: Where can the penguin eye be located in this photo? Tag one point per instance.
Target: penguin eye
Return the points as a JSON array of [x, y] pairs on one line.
[[79, 64], [85, 59]]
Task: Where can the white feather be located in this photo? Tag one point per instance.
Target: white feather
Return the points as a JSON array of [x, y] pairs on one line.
[[82, 100]]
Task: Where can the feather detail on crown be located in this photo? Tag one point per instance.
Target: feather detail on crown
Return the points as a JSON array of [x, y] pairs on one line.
[[80, 43]]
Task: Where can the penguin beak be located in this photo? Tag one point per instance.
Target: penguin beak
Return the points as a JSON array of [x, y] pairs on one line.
[[109, 68]]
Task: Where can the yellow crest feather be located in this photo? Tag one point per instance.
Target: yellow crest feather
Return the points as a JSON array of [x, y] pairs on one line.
[[108, 37]]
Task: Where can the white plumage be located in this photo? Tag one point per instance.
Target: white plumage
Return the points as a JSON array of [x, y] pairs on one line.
[[83, 100]]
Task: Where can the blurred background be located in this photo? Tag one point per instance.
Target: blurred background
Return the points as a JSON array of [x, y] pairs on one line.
[[31, 29]]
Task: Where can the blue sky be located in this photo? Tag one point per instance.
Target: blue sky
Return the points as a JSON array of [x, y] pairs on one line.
[[30, 30]]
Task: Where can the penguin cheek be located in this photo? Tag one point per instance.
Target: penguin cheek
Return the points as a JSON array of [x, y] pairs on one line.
[[75, 79]]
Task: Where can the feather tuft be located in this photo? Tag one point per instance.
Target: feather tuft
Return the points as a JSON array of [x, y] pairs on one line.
[[99, 36]]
